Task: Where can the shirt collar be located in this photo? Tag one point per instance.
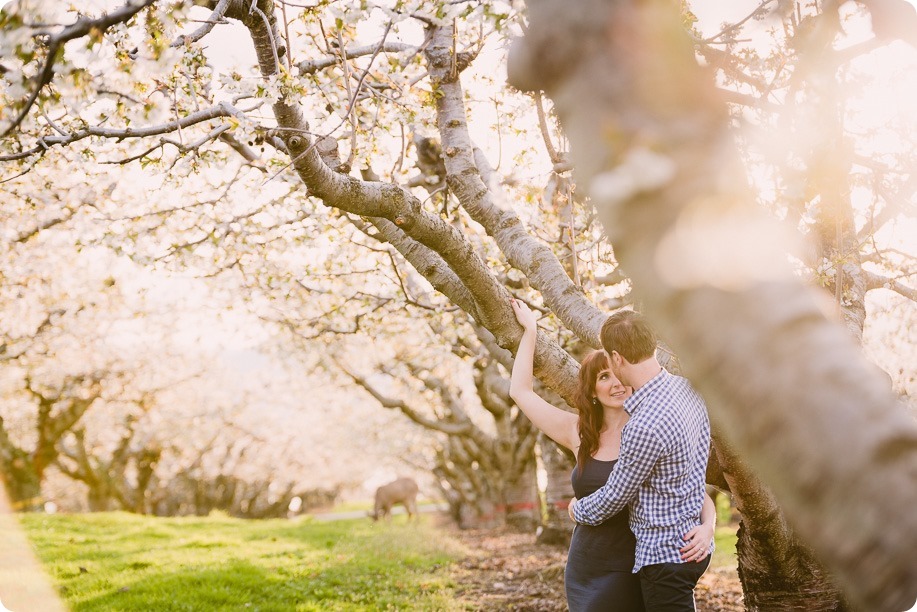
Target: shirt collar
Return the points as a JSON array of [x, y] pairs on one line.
[[633, 402]]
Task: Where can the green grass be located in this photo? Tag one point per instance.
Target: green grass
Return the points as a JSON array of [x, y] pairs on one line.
[[725, 535], [725, 553], [124, 562]]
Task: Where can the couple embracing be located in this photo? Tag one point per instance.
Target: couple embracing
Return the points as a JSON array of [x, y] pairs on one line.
[[641, 438]]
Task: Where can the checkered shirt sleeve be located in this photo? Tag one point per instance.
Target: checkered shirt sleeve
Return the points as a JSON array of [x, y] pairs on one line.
[[640, 449]]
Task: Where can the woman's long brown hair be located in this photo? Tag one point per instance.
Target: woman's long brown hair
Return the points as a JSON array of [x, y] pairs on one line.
[[591, 414]]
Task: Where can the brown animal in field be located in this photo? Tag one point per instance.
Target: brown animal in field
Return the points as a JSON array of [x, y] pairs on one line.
[[401, 491]]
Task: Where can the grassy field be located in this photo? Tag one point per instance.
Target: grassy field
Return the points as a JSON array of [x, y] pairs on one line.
[[125, 562], [116, 561]]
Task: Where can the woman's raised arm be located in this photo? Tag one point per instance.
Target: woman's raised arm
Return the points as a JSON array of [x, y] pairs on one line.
[[557, 424]]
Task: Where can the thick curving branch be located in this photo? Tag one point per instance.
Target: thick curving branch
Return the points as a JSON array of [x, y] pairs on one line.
[[464, 175], [399, 207], [877, 281], [553, 365]]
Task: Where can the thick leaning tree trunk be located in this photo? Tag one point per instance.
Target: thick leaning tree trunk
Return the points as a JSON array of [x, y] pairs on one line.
[[789, 388], [23, 484], [475, 498], [776, 569], [557, 528], [521, 495]]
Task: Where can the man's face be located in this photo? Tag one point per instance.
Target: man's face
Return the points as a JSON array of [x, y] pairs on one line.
[[617, 367]]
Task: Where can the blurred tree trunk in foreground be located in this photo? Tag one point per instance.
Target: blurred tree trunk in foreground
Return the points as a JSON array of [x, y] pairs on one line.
[[777, 374]]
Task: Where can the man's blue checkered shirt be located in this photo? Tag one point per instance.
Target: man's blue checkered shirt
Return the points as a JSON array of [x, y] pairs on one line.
[[661, 470]]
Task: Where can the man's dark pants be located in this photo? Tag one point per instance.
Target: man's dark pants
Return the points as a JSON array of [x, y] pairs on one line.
[[669, 587]]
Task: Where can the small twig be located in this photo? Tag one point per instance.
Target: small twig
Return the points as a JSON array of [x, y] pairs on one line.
[[398, 163], [43, 144], [215, 17], [311, 66], [499, 136], [286, 35], [735, 26], [51, 123], [350, 109], [543, 125], [573, 253], [183, 148]]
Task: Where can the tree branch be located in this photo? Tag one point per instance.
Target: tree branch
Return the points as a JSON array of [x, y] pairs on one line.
[[451, 429], [312, 66], [877, 281], [215, 17], [223, 109], [465, 169], [82, 27]]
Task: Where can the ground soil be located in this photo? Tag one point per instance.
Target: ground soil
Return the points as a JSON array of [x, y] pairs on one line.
[[508, 570]]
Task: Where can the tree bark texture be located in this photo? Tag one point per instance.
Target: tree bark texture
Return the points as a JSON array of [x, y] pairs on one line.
[[522, 508], [479, 198], [788, 387], [557, 528], [777, 570]]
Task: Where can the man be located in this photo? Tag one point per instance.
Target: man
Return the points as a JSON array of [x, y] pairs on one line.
[[660, 473]]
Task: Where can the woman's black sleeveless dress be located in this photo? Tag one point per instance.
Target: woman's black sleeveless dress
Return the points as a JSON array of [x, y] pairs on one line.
[[598, 573]]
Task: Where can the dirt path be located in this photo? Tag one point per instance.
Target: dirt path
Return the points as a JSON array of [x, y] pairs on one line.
[[23, 582], [509, 571]]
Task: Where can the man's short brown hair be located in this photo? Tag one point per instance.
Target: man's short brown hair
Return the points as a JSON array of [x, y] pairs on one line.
[[629, 333]]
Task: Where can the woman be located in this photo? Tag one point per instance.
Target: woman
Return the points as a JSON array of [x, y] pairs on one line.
[[598, 574]]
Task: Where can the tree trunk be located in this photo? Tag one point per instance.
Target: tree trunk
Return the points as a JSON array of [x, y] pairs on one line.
[[778, 572], [23, 483], [557, 528], [476, 500], [797, 583], [521, 495], [100, 499]]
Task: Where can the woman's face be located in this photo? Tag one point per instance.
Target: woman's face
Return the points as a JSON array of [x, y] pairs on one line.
[[609, 390]]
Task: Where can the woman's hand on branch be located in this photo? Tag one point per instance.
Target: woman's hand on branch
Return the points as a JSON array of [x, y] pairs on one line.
[[524, 315]]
